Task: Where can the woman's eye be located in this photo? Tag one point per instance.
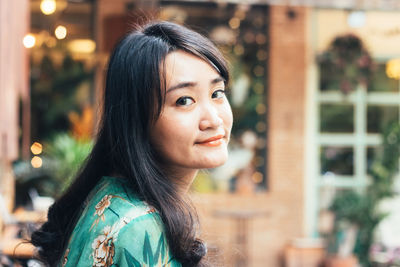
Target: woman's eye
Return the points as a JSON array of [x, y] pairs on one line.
[[184, 101], [218, 94]]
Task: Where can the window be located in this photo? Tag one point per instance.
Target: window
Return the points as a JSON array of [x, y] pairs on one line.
[[348, 134]]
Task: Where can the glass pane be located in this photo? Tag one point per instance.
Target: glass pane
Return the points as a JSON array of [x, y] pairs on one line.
[[328, 81], [337, 160], [378, 117], [372, 154], [336, 118], [380, 82], [327, 195]]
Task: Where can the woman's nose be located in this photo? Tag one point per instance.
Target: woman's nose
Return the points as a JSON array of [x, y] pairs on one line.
[[210, 119]]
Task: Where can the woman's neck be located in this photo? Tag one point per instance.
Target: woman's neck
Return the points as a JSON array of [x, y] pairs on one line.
[[182, 177]]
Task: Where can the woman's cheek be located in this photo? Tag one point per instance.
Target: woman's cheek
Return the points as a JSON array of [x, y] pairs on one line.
[[228, 116]]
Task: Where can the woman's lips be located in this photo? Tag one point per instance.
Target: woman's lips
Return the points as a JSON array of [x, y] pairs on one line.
[[213, 141]]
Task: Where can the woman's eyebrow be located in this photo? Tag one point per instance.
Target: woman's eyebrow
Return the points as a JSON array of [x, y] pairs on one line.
[[193, 84], [182, 85], [218, 79]]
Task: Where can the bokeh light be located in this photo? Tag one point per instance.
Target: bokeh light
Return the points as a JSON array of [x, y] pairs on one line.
[[29, 41], [36, 162], [393, 68], [234, 23], [82, 46], [48, 6], [60, 32], [36, 148]]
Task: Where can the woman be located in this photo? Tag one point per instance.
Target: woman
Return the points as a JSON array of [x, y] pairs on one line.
[[165, 116]]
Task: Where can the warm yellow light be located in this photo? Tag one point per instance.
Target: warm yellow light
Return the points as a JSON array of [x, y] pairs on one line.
[[60, 32], [86, 46], [48, 6], [261, 126], [261, 39], [234, 23], [258, 88], [238, 50], [261, 108], [36, 162], [51, 42], [258, 71], [393, 68], [36, 148], [29, 41], [262, 55], [257, 177]]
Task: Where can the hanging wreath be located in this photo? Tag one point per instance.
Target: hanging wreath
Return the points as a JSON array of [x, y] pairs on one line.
[[345, 64]]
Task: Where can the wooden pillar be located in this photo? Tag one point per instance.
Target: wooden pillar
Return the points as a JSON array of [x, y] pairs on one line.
[[103, 10], [113, 20], [14, 24]]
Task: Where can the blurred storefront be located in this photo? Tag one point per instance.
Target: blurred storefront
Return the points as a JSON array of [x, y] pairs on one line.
[[300, 134]]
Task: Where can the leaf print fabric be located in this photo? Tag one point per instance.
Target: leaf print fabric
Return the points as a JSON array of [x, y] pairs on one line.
[[147, 248], [115, 229], [151, 258]]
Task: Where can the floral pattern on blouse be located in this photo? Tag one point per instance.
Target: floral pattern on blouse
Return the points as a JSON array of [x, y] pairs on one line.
[[101, 206], [103, 249], [115, 228]]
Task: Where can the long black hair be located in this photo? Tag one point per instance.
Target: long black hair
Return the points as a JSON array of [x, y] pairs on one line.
[[133, 100]]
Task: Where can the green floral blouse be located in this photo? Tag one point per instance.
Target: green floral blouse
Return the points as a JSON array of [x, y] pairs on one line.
[[117, 229]]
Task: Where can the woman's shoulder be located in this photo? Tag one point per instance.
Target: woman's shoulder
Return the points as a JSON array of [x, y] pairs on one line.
[[117, 227], [112, 201]]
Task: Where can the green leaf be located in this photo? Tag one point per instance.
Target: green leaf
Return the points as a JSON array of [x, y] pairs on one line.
[[152, 259], [132, 262], [147, 250], [160, 247]]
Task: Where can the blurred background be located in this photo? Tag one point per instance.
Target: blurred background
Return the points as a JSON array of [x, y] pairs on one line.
[[313, 174]]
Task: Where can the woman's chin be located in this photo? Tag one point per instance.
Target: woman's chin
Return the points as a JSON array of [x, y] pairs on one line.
[[215, 161]]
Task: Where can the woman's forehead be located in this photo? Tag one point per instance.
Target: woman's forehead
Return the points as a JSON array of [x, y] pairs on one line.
[[181, 66]]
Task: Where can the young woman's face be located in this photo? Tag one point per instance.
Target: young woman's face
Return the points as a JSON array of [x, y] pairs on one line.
[[194, 127]]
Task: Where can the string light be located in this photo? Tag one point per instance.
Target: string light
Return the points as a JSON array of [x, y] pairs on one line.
[[60, 32], [261, 108], [238, 50], [258, 70], [261, 126], [393, 68], [36, 148], [29, 41], [36, 162], [234, 23], [51, 42], [262, 55], [261, 39], [82, 46], [257, 177], [258, 88], [48, 6]]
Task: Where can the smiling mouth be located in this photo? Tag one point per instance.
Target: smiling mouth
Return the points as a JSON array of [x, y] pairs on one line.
[[213, 141]]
